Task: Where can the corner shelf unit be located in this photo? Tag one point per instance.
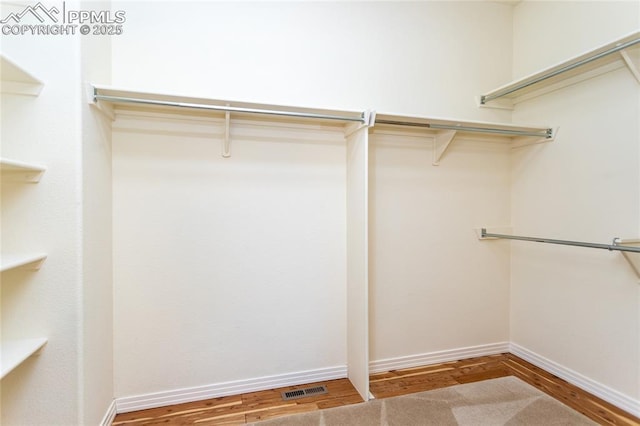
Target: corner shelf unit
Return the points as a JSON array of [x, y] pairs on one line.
[[15, 352], [20, 171], [16, 80], [616, 54], [112, 101], [27, 261]]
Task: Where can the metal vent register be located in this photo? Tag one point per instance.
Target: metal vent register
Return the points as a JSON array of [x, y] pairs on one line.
[[301, 393]]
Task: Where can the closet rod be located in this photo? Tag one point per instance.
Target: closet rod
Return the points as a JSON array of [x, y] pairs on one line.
[[500, 93], [547, 134], [120, 99], [611, 247]]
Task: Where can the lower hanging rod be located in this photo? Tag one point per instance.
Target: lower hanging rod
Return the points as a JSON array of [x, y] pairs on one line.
[[224, 108], [614, 246], [547, 134]]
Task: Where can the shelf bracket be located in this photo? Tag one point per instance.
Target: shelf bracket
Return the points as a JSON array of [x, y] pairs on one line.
[[519, 142], [106, 110], [441, 143], [632, 60], [226, 143], [368, 120], [632, 258]]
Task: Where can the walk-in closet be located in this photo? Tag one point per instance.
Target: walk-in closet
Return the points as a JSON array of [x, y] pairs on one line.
[[230, 197]]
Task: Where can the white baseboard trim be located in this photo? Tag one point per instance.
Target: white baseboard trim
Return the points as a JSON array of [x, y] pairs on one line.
[[110, 414], [614, 397], [437, 357], [179, 396]]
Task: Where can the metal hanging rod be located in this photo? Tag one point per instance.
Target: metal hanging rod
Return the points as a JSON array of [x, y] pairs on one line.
[[547, 134], [500, 93], [614, 246], [224, 108]]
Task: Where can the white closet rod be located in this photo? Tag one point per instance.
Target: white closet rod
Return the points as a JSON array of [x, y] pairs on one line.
[[486, 98], [224, 108], [548, 133], [611, 247]]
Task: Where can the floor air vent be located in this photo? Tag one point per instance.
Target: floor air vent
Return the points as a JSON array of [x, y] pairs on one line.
[[301, 393]]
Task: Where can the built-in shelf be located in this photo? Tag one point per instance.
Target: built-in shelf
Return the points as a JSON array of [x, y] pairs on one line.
[[112, 100], [445, 131], [16, 80], [20, 171], [28, 261], [616, 54], [15, 352]]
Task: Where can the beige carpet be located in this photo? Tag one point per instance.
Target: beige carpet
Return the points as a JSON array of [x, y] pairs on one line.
[[503, 401]]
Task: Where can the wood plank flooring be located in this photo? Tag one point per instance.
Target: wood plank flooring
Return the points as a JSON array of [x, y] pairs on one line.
[[255, 406]]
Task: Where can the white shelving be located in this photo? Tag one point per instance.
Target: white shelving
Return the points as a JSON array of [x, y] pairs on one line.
[[444, 131], [113, 100], [16, 80], [15, 352], [616, 54], [31, 261], [20, 171]]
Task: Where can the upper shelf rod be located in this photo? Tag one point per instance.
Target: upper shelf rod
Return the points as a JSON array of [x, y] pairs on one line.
[[611, 247], [548, 133], [500, 93], [226, 108]]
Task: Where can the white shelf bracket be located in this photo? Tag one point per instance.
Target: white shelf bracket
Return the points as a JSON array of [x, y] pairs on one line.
[[632, 60], [492, 230], [632, 258], [441, 143], [106, 110], [368, 120], [519, 142], [497, 104], [226, 143]]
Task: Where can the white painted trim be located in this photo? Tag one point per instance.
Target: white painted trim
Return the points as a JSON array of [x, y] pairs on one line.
[[612, 396], [437, 357], [179, 396], [107, 420]]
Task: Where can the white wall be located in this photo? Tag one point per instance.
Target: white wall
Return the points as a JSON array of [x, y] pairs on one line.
[[406, 57], [578, 307], [434, 286], [195, 235], [227, 269]]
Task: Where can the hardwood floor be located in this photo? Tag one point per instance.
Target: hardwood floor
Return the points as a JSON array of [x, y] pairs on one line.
[[255, 406]]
